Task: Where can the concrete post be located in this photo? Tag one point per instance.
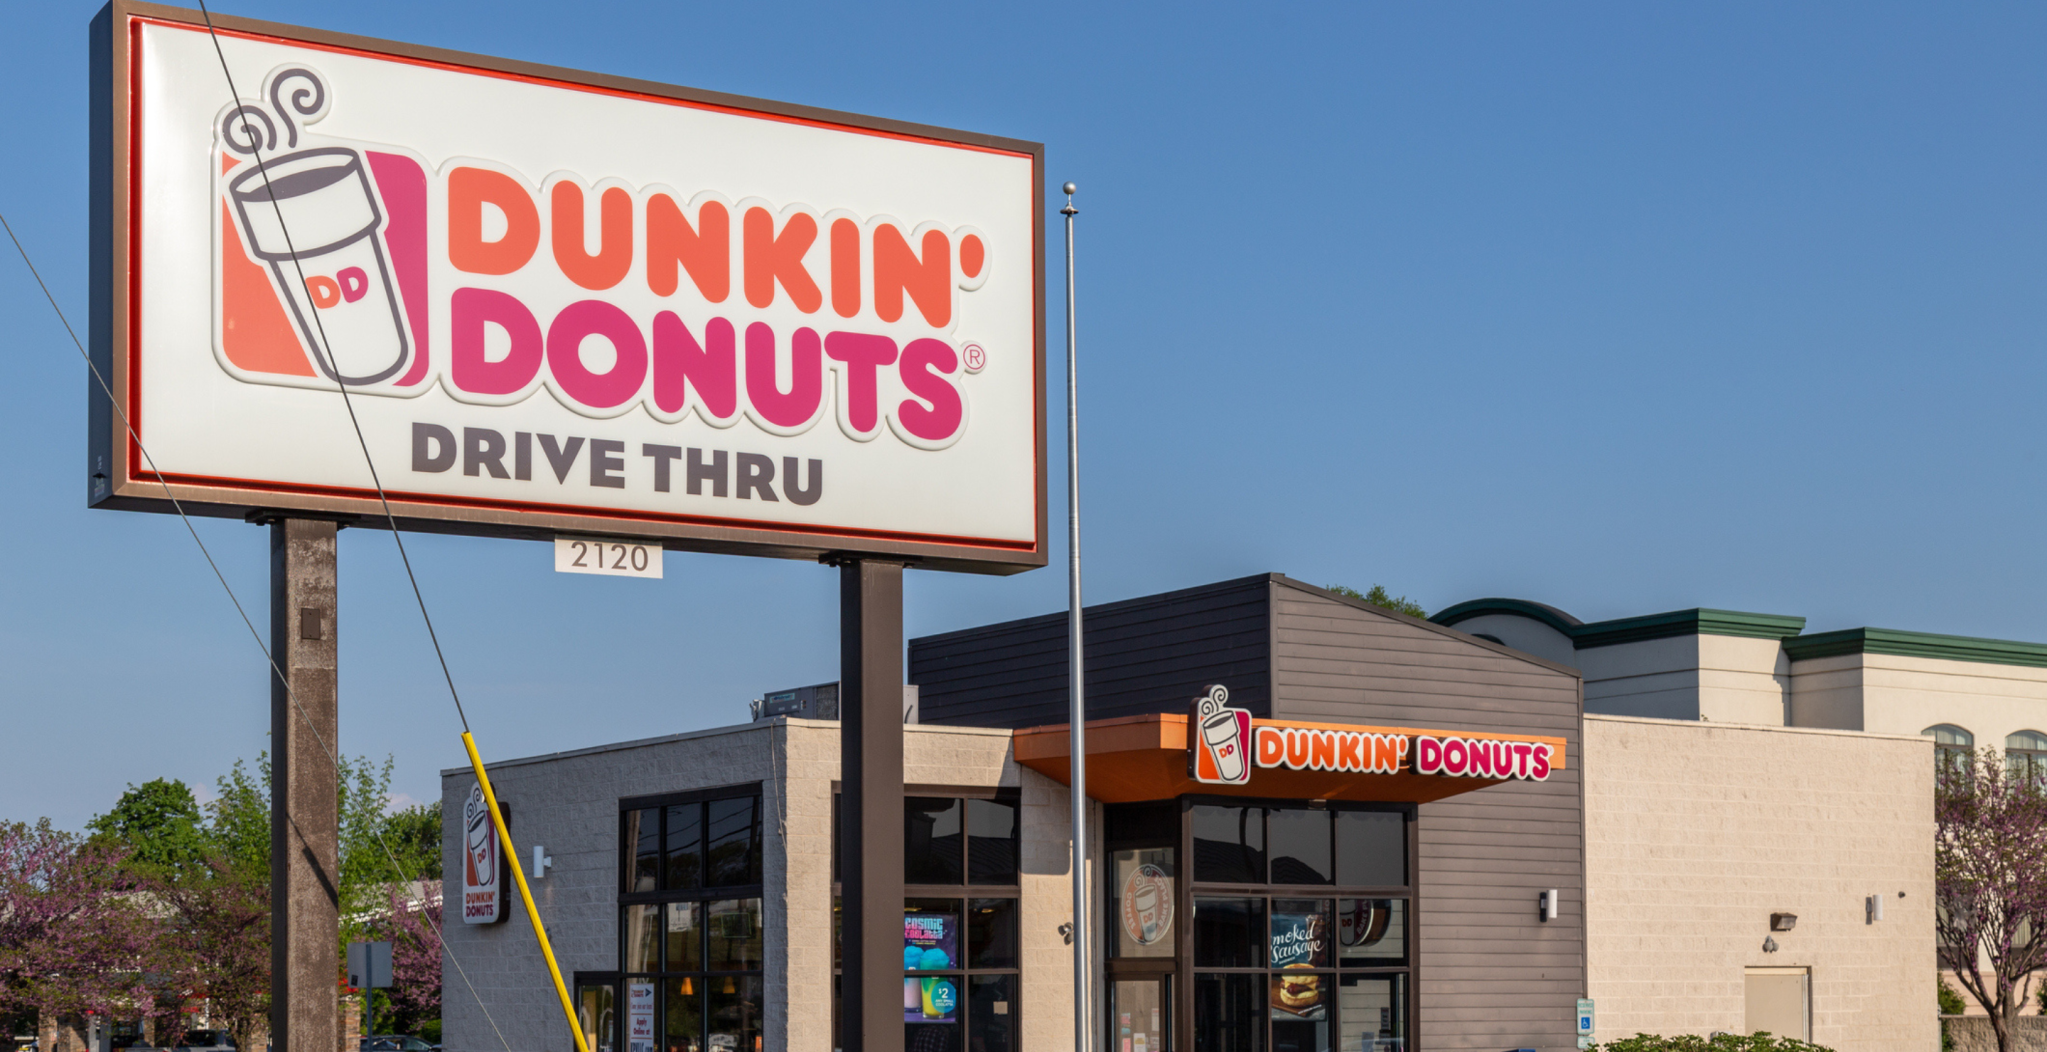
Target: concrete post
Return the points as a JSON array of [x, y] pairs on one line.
[[871, 804], [305, 914]]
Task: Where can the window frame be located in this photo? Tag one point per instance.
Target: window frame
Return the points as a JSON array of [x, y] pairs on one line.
[[1951, 755], [1189, 888], [2027, 760], [964, 893], [704, 895]]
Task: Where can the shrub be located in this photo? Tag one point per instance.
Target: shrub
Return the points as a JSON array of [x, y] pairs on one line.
[[1758, 1042]]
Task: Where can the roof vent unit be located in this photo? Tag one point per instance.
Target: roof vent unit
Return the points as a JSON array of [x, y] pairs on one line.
[[819, 702]]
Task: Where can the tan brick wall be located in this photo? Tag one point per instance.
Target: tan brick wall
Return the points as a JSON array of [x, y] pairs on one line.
[[1696, 832]]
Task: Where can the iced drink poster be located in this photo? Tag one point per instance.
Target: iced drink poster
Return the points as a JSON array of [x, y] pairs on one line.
[[930, 942]]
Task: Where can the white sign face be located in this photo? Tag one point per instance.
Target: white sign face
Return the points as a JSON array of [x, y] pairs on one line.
[[639, 1017], [609, 558], [556, 302], [483, 869]]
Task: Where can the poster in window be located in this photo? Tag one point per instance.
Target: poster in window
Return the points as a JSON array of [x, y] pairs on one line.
[[930, 942], [931, 999], [640, 1017]]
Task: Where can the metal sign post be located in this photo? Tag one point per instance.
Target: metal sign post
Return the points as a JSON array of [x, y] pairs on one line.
[[369, 969], [871, 803]]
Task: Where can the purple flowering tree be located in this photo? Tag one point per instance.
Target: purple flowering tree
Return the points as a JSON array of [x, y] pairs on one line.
[[414, 931], [1990, 838], [75, 936], [216, 930]]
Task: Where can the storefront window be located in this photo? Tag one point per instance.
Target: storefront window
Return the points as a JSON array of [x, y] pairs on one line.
[[1229, 844], [1229, 933], [1301, 848], [1372, 1013], [960, 956], [596, 1015], [1276, 970], [690, 933], [1229, 1013]]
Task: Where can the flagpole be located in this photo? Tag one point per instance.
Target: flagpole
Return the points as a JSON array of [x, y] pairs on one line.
[[1082, 982]]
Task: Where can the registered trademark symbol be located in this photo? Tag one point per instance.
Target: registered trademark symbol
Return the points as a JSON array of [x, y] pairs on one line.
[[977, 358]]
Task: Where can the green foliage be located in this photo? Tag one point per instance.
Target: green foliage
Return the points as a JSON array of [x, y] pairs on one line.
[[430, 1032], [1379, 597], [157, 825], [1951, 999], [240, 814], [414, 836], [1757, 1042]]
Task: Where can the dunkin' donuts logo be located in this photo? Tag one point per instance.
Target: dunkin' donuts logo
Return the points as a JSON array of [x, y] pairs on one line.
[[1226, 744], [364, 264], [1222, 739], [482, 892]]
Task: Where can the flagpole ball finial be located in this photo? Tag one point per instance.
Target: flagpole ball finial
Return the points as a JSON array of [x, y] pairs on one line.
[[1069, 188]]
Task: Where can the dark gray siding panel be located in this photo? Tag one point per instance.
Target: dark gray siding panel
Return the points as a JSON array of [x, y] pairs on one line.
[[1153, 654], [1491, 974]]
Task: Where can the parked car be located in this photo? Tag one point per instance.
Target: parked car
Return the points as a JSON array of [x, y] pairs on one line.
[[394, 1043], [206, 1041]]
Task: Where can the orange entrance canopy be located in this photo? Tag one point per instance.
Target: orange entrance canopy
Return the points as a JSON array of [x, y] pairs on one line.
[[1135, 758]]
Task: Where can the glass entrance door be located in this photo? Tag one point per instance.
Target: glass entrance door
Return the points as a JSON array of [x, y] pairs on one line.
[[1141, 1014]]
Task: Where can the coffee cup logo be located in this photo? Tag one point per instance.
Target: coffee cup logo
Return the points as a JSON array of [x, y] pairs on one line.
[[1220, 753], [321, 251], [1147, 905], [482, 898]]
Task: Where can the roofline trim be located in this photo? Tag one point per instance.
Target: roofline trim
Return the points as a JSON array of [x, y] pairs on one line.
[[1901, 643], [1698, 621]]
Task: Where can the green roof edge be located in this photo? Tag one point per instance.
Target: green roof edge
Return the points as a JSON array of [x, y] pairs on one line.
[[1916, 644], [1698, 621]]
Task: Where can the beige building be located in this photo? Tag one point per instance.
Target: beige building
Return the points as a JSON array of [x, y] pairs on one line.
[[1727, 666], [1699, 835]]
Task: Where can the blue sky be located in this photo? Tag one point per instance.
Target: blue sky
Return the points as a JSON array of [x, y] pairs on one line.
[[1622, 307]]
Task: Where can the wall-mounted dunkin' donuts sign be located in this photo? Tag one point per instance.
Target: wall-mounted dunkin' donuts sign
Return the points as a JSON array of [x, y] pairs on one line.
[[559, 301], [485, 867], [1226, 745]]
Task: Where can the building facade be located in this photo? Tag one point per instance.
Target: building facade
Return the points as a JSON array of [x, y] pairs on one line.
[[1315, 825]]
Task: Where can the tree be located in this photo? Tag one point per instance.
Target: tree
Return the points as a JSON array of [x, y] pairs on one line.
[[1379, 597], [157, 827], [1990, 834], [414, 836], [239, 833], [414, 931], [218, 933], [73, 934]]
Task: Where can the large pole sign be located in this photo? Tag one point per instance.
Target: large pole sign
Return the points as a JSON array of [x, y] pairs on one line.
[[560, 302]]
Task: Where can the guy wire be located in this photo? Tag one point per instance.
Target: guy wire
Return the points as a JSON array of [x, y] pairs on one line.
[[235, 99], [333, 756]]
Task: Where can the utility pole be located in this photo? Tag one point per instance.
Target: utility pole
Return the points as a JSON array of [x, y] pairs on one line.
[[305, 913]]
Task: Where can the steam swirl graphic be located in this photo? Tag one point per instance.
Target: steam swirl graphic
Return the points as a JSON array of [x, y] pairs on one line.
[[306, 100], [240, 135], [297, 96]]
